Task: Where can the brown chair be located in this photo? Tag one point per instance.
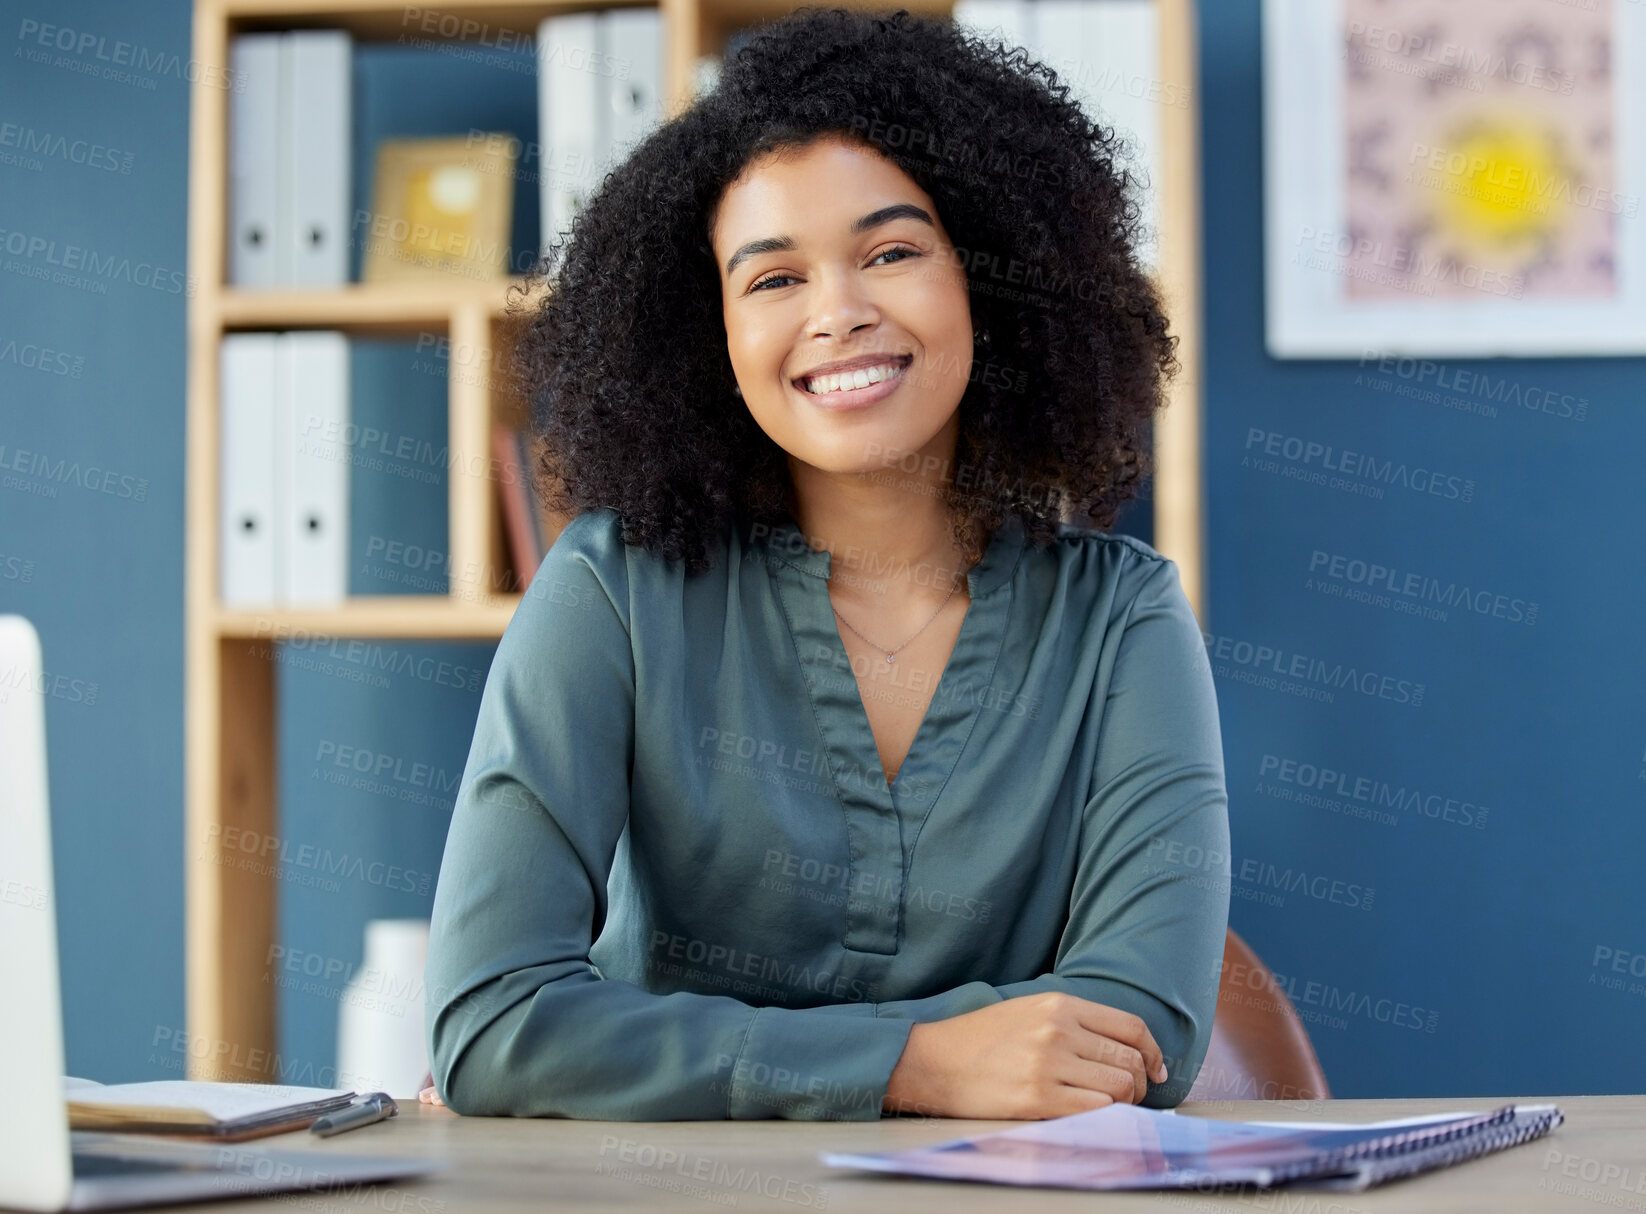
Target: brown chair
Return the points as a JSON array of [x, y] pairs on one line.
[[1259, 1049]]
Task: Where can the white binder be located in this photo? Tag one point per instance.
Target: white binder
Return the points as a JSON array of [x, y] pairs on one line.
[[246, 497], [1127, 87], [569, 97], [633, 39], [258, 242], [999, 20], [705, 74], [312, 466], [1108, 53], [1060, 34], [316, 130]]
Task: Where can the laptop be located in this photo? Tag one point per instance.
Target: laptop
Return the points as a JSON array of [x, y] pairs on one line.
[[43, 1166]]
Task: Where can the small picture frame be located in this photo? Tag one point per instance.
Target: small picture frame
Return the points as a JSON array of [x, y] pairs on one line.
[[441, 208]]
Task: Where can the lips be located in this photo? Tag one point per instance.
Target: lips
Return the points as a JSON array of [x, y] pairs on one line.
[[846, 397], [854, 374]]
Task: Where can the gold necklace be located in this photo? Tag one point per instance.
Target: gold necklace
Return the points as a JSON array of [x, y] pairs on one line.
[[891, 654]]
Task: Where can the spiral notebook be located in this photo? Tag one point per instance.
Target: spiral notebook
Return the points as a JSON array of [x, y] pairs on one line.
[[1123, 1146]]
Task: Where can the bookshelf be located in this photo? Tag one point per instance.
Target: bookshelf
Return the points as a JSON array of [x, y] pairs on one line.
[[229, 685]]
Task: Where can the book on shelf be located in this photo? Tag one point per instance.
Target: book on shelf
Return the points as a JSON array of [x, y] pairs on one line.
[[529, 528]]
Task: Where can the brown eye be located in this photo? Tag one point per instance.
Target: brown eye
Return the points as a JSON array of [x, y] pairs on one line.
[[761, 282]]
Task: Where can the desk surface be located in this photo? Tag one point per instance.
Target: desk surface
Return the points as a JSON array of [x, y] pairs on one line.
[[1595, 1160]]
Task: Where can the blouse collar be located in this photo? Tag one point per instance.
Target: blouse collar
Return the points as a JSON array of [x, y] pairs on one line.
[[783, 542]]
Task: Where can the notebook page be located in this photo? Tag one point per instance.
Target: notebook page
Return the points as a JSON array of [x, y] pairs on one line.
[[220, 1101]]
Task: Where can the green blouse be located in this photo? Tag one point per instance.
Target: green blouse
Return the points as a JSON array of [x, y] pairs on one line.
[[678, 886]]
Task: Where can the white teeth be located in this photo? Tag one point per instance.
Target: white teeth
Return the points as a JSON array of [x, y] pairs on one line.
[[862, 377]]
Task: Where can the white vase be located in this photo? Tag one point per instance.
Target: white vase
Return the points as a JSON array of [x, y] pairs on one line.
[[380, 1046]]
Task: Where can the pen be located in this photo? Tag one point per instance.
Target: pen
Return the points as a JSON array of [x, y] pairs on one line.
[[377, 1106]]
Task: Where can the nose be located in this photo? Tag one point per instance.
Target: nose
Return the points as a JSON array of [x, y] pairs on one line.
[[841, 305]]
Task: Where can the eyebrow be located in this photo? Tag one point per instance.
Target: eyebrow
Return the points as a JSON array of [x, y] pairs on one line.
[[775, 244]]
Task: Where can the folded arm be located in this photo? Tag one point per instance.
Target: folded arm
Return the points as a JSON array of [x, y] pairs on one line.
[[1146, 929], [519, 1021]]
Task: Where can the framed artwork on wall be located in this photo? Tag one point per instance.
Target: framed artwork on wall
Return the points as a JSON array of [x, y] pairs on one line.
[[1454, 177]]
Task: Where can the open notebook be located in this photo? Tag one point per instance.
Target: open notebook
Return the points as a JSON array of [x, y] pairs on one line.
[[223, 1112], [1123, 1146]]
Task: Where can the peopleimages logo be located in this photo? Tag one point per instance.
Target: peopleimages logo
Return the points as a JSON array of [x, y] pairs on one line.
[[50, 145], [1405, 267], [44, 257], [705, 1177], [792, 873], [1416, 588], [1323, 1002], [1469, 382], [93, 54], [1367, 791], [1309, 460], [1300, 674], [701, 956], [1263, 880], [42, 474], [1405, 48]]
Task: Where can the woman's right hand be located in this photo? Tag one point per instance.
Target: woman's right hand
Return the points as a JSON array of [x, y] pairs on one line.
[[1025, 1059]]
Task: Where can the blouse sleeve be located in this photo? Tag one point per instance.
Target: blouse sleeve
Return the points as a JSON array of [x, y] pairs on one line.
[[519, 1022], [1150, 903]]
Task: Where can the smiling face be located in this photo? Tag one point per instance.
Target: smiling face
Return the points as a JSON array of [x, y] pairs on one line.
[[832, 255]]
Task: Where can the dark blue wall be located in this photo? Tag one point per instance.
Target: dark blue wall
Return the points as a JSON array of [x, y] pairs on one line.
[[1469, 968], [91, 540], [1433, 948]]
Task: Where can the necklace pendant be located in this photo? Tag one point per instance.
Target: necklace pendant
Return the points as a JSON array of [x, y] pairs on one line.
[[891, 657]]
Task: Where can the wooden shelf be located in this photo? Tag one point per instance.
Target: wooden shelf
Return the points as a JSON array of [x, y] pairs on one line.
[[433, 617], [367, 308], [501, 25], [729, 14], [491, 21]]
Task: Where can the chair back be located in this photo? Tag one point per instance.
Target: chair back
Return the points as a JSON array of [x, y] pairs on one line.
[[1260, 1049]]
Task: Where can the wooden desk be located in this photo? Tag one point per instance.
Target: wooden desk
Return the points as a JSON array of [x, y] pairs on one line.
[[508, 1164]]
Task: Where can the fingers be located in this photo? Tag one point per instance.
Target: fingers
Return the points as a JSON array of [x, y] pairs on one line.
[[1116, 1054], [1118, 1085], [1126, 1028], [1068, 1100]]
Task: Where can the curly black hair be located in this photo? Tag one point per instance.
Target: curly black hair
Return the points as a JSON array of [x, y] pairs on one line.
[[624, 360]]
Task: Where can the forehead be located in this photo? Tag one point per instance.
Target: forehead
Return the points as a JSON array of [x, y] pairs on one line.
[[818, 189]]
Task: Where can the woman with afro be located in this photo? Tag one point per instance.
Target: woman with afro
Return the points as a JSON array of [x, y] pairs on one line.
[[828, 768]]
